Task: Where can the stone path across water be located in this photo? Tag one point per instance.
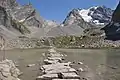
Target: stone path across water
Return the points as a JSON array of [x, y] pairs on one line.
[[56, 69]]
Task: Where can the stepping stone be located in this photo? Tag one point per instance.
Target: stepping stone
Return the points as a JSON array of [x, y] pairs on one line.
[[47, 77], [52, 50], [59, 70], [55, 58], [55, 66], [54, 55], [70, 75], [46, 61]]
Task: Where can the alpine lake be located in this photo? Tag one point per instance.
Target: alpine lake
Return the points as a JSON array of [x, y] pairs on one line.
[[99, 64]]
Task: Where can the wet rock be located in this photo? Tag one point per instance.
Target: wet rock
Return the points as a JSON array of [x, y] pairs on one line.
[[30, 65], [73, 62], [80, 69], [80, 62], [43, 54], [84, 79]]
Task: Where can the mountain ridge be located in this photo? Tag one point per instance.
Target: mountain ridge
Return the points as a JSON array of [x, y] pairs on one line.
[[26, 21]]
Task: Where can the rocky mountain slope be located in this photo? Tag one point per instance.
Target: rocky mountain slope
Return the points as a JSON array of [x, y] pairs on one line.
[[13, 17], [112, 30]]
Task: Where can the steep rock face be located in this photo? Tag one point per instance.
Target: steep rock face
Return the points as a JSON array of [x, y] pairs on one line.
[[17, 19], [4, 19], [112, 30], [6, 27], [28, 15], [8, 3], [98, 15], [116, 14]]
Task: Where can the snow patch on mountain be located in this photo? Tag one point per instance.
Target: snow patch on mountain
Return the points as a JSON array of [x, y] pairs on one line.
[[84, 13], [99, 15]]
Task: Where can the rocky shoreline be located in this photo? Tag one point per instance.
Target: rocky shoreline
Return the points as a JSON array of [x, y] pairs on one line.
[[66, 42], [8, 70]]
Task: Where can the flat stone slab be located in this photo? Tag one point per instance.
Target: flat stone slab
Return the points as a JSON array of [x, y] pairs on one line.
[[52, 50], [46, 61], [55, 58], [54, 55], [55, 66], [70, 75], [60, 70], [47, 77]]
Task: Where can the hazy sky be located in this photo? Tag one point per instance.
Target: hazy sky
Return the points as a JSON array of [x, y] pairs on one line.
[[58, 9]]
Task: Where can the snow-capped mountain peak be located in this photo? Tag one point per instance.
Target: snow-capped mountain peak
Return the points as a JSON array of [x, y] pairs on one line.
[[99, 15]]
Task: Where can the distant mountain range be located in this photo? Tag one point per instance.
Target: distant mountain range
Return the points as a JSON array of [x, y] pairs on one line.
[[17, 20], [78, 20]]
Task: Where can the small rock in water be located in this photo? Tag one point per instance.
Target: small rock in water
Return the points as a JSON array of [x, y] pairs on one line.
[[46, 61], [84, 78], [17, 65], [43, 54], [73, 62], [80, 69], [30, 65], [65, 55], [80, 63]]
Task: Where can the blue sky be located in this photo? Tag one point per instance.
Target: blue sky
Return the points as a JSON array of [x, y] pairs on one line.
[[58, 9]]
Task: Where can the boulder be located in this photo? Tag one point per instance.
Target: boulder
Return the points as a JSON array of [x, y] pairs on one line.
[[8, 70]]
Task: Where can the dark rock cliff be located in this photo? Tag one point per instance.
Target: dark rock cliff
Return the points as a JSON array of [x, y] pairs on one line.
[[112, 30]]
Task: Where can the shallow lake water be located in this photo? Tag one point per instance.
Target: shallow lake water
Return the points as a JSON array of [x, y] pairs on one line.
[[93, 58]]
